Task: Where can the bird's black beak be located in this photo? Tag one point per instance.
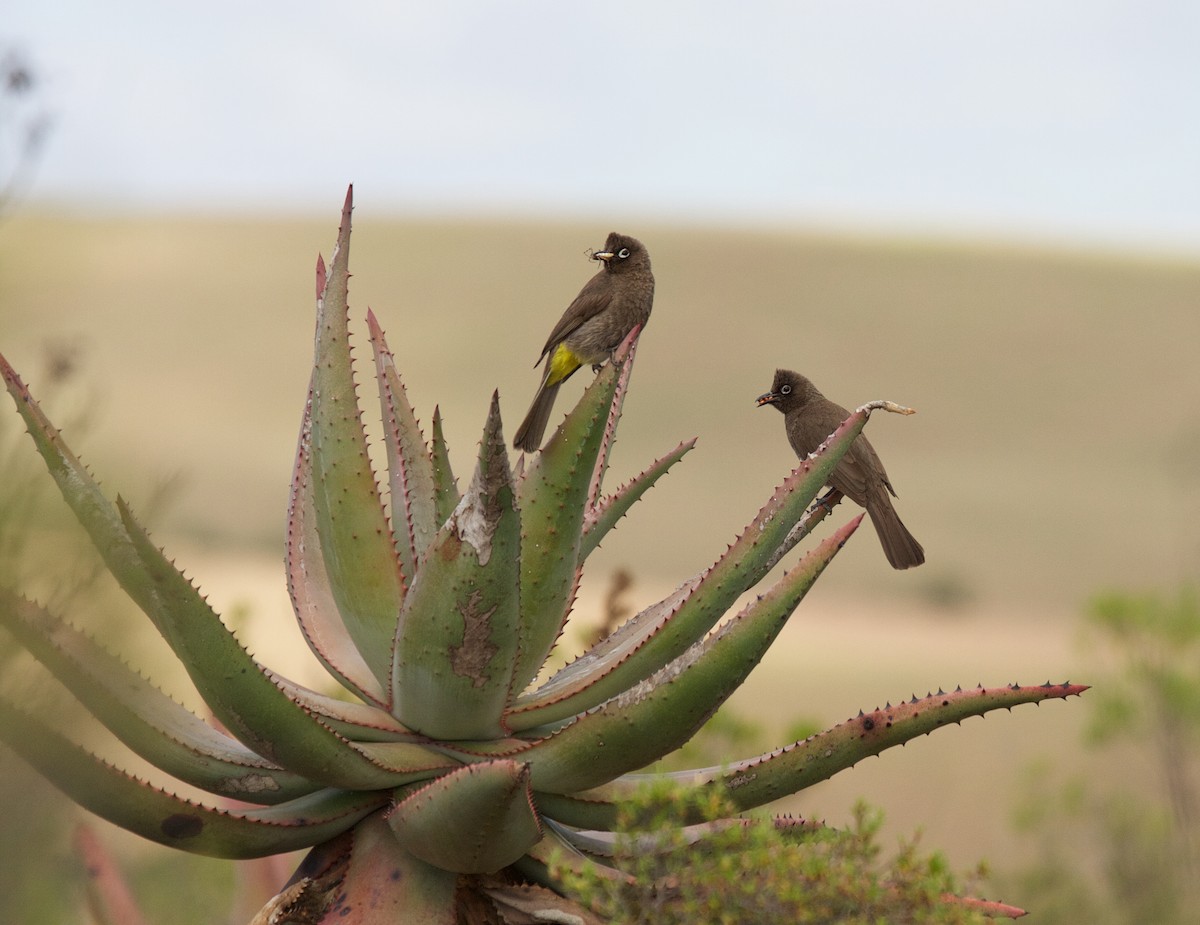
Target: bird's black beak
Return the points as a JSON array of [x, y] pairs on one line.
[[606, 256], [767, 398]]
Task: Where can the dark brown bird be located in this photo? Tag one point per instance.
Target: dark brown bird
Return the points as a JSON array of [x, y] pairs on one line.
[[593, 326], [810, 418]]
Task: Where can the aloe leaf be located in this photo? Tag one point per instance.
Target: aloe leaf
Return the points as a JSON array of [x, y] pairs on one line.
[[218, 651], [665, 710], [444, 483], [356, 541], [615, 407], [83, 495], [476, 820], [364, 877], [757, 781], [603, 515], [554, 494], [170, 820], [527, 902], [239, 691], [459, 631], [310, 587], [359, 722], [410, 467], [663, 631], [555, 851], [164, 732], [776, 774]]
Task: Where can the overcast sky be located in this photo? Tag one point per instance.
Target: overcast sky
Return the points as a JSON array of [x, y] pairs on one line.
[[1076, 119]]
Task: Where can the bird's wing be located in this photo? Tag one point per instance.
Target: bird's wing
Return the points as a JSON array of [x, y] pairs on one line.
[[592, 299], [857, 473]]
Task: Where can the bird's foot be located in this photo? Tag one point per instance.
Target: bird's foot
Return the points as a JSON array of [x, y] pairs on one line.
[[826, 501]]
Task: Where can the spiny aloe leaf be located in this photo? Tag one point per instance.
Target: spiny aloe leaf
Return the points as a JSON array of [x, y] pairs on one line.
[[239, 691], [445, 485], [605, 846], [475, 820], [108, 532], [615, 407], [349, 719], [555, 851], [83, 495], [410, 467], [604, 514], [364, 877], [356, 541], [164, 732], [554, 493], [756, 781], [663, 631], [170, 820], [310, 587], [986, 907], [526, 902], [771, 776], [665, 710], [459, 631]]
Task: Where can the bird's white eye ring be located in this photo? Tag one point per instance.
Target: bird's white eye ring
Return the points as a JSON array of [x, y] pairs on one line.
[[785, 390], [623, 253]]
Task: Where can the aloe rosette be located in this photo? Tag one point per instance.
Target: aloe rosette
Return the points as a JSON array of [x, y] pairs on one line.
[[444, 760]]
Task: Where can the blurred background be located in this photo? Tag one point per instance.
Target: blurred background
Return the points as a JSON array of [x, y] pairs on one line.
[[989, 212]]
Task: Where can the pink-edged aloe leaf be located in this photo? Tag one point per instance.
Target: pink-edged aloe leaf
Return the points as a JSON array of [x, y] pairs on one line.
[[526, 902], [310, 587], [475, 820], [239, 691], [555, 851], [355, 537], [103, 524], [410, 467], [459, 631], [603, 516], [364, 877], [164, 732], [173, 821], [214, 644], [604, 846], [445, 486], [554, 493], [771, 776], [783, 772], [83, 495], [615, 407], [663, 631], [989, 908], [359, 722], [664, 711]]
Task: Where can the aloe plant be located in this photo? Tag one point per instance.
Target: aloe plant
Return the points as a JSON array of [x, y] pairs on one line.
[[437, 781]]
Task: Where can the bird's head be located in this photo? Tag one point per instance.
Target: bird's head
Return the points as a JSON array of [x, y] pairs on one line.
[[622, 253], [789, 390]]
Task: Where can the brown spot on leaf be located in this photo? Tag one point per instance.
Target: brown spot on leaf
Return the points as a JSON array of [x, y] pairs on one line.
[[182, 825], [471, 659]]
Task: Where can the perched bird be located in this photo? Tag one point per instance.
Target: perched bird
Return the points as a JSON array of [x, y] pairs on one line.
[[810, 418], [593, 326]]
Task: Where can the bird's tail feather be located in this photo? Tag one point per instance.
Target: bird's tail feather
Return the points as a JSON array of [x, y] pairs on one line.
[[900, 546], [529, 434]]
